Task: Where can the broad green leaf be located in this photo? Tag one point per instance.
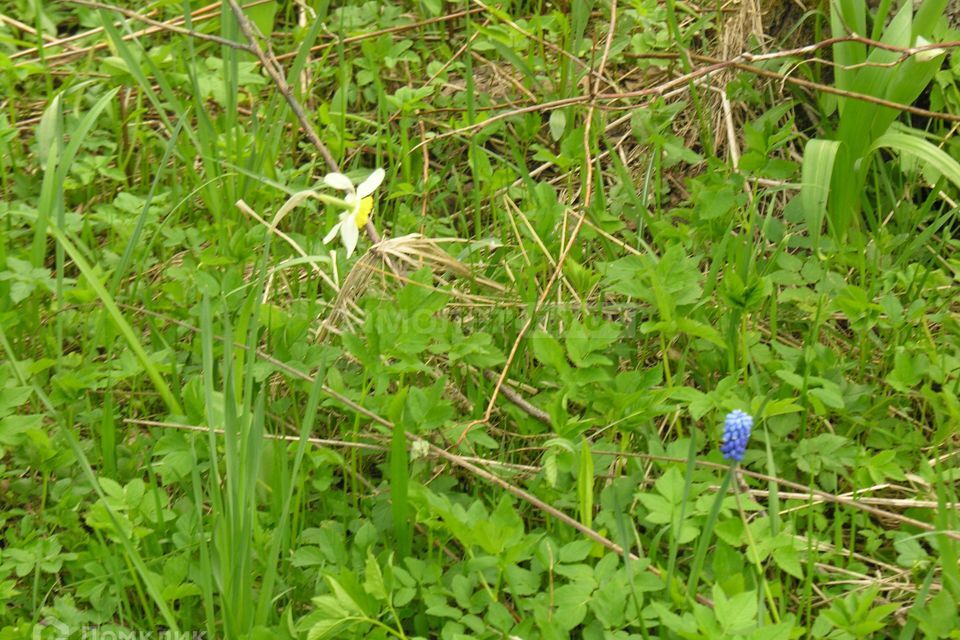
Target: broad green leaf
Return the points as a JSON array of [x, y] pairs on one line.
[[558, 122], [829, 396], [781, 407], [373, 579], [262, 15], [735, 614], [548, 350], [910, 142], [329, 628], [698, 329], [844, 15], [570, 602], [788, 559], [344, 600], [818, 160]]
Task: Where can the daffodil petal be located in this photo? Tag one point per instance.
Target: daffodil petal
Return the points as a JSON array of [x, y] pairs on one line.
[[332, 233], [350, 234], [370, 185], [338, 181]]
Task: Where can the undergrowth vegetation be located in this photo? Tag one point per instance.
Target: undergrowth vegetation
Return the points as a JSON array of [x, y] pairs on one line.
[[608, 238]]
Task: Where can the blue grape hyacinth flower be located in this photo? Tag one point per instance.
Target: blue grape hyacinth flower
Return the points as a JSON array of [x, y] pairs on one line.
[[736, 434]]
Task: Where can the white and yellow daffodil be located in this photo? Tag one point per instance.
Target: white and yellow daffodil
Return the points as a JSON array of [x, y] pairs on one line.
[[359, 201]]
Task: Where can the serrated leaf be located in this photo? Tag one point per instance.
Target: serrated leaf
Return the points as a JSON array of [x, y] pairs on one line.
[[701, 330], [829, 397], [347, 604], [373, 579], [329, 629], [737, 613], [788, 559], [548, 350], [781, 407]]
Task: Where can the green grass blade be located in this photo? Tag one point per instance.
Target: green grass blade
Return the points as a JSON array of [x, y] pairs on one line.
[[79, 135], [400, 474], [279, 532], [49, 136], [134, 241], [117, 317], [706, 535]]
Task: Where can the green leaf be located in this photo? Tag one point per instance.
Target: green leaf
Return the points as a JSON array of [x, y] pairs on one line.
[[399, 472], [818, 160], [570, 603], [735, 614], [262, 15], [829, 396], [672, 281], [781, 407], [373, 579], [558, 122], [788, 559], [346, 603], [938, 617], [790, 378], [549, 351], [586, 343], [329, 628], [671, 486], [781, 631], [50, 129], [905, 375], [609, 602], [700, 330], [576, 551], [825, 451], [911, 142]]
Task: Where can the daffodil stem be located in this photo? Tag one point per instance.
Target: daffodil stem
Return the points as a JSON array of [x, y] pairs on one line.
[[337, 202]]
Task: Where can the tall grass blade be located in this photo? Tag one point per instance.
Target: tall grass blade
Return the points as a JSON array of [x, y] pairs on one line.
[[399, 474], [706, 535], [117, 317], [280, 531]]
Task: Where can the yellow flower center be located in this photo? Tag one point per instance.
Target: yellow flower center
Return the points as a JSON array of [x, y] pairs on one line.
[[363, 214]]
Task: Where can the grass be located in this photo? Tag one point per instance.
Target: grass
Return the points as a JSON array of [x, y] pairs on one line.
[[604, 226]]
